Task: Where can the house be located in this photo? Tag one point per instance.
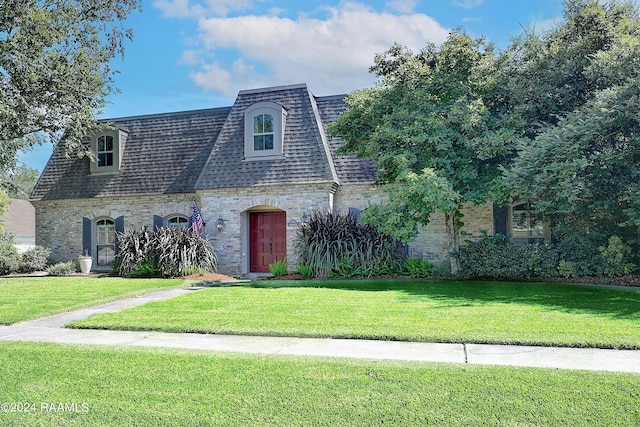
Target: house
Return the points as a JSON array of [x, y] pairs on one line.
[[20, 221], [256, 170]]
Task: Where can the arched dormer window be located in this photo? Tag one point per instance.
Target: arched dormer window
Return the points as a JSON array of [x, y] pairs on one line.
[[264, 131]]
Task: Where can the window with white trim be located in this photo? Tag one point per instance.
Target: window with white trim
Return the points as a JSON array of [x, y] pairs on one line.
[[264, 131], [527, 226], [105, 241], [108, 147], [105, 150], [178, 221]]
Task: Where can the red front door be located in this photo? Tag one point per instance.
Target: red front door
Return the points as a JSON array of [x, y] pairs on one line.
[[267, 239]]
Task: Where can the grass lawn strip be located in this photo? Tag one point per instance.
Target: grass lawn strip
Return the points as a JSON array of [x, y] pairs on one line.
[[160, 387], [35, 297], [442, 311]]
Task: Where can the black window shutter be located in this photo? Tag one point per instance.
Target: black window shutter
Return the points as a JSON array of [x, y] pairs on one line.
[[158, 222], [355, 212], [119, 227], [501, 220], [86, 236]]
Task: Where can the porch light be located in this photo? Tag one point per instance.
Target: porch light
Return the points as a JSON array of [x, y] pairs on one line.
[[220, 224]]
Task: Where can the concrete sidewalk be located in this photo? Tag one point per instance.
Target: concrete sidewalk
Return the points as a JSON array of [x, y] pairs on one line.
[[50, 330]]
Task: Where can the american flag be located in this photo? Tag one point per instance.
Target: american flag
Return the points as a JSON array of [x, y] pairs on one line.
[[196, 220]]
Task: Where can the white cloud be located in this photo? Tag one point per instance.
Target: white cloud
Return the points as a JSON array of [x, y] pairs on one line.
[[332, 55], [468, 4]]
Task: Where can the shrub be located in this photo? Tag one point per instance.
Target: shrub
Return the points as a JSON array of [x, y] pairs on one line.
[[34, 259], [580, 253], [279, 268], [336, 245], [168, 252], [417, 268], [494, 257], [306, 271], [617, 256], [8, 254], [63, 269]]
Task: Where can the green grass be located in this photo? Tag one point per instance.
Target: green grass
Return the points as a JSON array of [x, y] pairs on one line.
[[33, 297], [415, 310], [134, 387]]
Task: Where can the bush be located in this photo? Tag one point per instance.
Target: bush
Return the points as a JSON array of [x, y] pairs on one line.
[[34, 259], [417, 268], [8, 254], [336, 245], [306, 271], [279, 268], [494, 257], [579, 254], [168, 252], [617, 256], [63, 269]]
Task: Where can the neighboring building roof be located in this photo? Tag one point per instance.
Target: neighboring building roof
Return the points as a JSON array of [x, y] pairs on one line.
[[186, 151], [20, 219]]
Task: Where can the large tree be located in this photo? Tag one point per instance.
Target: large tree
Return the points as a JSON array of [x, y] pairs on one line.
[[578, 85], [433, 129], [55, 69]]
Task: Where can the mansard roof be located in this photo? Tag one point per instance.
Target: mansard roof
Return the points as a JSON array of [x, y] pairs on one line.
[[182, 152]]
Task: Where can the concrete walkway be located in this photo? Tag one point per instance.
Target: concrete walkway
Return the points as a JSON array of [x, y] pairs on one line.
[[50, 330]]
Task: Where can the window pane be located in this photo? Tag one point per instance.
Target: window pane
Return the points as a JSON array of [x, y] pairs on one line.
[[268, 142], [178, 222], [258, 143], [526, 223], [268, 123], [101, 143], [108, 159], [109, 143], [258, 124], [102, 158]]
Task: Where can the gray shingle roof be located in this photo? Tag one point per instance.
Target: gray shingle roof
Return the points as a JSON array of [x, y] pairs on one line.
[[306, 153], [185, 151]]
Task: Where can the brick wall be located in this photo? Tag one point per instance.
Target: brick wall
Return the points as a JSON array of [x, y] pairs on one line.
[[59, 223]]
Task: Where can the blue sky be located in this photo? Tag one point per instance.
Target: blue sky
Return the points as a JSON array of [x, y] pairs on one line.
[[192, 54]]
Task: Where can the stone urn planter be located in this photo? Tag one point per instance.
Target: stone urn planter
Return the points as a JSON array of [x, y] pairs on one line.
[[85, 262]]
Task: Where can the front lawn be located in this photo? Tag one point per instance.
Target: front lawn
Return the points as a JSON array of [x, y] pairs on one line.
[[50, 384], [414, 310], [23, 298]]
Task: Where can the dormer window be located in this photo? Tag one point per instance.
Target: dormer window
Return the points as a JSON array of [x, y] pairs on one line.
[[108, 147], [105, 151], [263, 131]]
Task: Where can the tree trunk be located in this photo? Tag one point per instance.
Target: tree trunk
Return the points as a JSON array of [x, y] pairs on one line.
[[453, 234]]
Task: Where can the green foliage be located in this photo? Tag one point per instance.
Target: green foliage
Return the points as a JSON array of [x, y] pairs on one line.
[[576, 87], [434, 130], [494, 257], [148, 267], [306, 271], [334, 244], [567, 269], [55, 69], [34, 259], [169, 252], [8, 254], [279, 268], [417, 268], [19, 181], [63, 269], [618, 257]]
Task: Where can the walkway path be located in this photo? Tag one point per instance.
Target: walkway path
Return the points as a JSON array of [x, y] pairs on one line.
[[50, 330]]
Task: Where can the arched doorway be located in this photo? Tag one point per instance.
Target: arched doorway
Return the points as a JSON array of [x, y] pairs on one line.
[[267, 239]]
